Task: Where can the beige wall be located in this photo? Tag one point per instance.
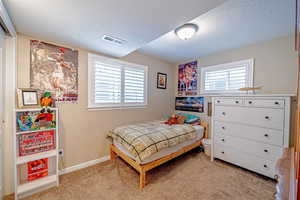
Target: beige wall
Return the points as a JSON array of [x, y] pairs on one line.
[[83, 132], [275, 63]]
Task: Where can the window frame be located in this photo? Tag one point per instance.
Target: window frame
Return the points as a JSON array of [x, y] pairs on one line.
[[249, 75], [115, 63]]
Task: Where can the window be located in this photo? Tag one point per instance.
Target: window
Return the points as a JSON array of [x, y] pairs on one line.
[[227, 78], [114, 83]]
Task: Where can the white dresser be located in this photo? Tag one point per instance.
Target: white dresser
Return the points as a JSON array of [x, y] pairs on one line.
[[251, 131]]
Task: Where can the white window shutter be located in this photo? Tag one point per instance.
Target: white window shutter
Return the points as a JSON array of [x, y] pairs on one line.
[[227, 77], [115, 83], [134, 85], [107, 84]]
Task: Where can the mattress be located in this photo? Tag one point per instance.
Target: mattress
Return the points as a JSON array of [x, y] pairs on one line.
[[164, 152]]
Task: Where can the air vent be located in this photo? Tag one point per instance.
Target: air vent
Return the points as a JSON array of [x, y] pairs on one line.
[[114, 40]]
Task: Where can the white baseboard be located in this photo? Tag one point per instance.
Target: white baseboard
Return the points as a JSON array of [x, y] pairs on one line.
[[83, 165]]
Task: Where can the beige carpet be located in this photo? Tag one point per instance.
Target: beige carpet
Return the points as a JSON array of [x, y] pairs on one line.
[[189, 177]]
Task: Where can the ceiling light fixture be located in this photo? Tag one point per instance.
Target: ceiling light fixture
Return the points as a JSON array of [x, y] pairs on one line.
[[186, 31]]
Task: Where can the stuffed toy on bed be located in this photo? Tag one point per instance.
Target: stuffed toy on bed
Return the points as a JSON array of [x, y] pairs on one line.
[[175, 119]]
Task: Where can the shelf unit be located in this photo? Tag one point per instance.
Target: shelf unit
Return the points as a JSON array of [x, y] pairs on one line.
[[24, 132], [52, 179], [28, 187]]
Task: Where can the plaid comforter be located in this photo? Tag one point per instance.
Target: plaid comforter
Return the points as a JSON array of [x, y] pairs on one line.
[[145, 139]]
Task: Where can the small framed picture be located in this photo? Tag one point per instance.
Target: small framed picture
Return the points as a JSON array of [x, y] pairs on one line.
[[28, 98], [161, 80]]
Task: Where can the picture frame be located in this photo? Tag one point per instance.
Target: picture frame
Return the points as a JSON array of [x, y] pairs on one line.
[[190, 104], [28, 98], [161, 80]]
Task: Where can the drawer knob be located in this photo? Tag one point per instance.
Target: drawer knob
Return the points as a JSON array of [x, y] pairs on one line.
[[266, 150], [250, 102], [265, 166], [223, 127], [276, 103], [266, 135], [223, 152], [236, 101], [218, 101], [267, 117], [223, 140], [223, 113]]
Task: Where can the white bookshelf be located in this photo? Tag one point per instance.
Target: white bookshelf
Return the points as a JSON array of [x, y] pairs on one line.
[[24, 132], [23, 189], [29, 187]]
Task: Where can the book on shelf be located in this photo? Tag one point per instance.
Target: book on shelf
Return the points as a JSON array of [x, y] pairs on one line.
[[36, 142], [37, 169], [35, 120]]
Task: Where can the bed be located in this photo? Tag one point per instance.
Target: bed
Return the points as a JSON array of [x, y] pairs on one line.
[[131, 144]]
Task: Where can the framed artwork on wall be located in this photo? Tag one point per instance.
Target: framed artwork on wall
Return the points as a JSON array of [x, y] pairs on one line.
[[161, 80], [192, 104]]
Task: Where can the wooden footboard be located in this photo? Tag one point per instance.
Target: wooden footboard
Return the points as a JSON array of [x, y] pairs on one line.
[[143, 168]]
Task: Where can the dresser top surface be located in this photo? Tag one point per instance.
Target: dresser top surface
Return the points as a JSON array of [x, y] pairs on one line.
[[251, 95]]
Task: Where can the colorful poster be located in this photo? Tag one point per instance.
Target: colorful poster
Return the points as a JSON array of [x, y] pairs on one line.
[[54, 69], [37, 169], [192, 104], [188, 79]]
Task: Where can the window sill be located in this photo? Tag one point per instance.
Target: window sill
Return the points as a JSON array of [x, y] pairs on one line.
[[116, 108]]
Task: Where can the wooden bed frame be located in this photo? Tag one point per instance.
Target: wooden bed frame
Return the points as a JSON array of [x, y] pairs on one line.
[[143, 168]]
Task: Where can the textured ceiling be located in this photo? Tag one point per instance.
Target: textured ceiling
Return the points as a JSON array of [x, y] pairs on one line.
[[82, 23], [233, 24]]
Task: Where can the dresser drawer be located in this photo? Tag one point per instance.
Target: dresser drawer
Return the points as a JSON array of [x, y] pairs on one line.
[[265, 135], [258, 149], [229, 101], [264, 117], [273, 103], [254, 163]]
